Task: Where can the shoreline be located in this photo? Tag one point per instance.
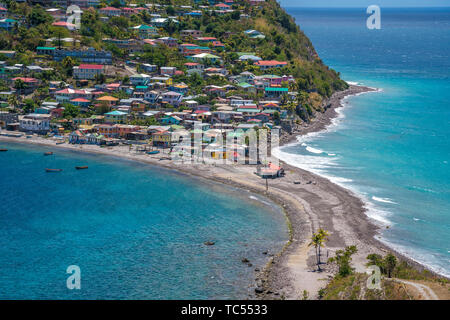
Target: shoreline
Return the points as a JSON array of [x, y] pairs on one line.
[[316, 202]]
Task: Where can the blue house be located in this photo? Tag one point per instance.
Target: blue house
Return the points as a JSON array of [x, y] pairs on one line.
[[7, 23], [171, 120]]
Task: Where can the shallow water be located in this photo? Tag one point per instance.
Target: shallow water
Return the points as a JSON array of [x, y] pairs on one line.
[[135, 231]]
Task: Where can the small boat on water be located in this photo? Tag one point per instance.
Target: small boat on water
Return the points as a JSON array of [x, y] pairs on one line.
[[53, 170], [48, 153], [81, 167], [3, 150], [153, 152]]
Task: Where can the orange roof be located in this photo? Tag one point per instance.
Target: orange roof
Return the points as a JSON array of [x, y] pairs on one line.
[[270, 63], [107, 98]]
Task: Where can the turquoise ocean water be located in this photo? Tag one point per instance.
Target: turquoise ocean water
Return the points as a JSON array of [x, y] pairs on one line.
[[390, 147], [135, 231]]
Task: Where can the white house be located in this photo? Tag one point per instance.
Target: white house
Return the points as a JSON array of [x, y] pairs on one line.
[[37, 123]]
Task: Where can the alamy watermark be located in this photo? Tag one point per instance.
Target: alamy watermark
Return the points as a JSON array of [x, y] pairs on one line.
[[74, 280], [73, 13], [374, 20], [374, 280]]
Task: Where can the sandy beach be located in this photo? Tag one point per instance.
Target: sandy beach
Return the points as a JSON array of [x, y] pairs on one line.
[[314, 203]]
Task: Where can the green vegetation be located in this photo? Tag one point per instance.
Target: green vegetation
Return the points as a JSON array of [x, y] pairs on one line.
[[317, 240], [343, 259]]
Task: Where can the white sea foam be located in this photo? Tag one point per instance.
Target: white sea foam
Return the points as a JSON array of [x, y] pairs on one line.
[[314, 150], [385, 200], [430, 260], [318, 165]]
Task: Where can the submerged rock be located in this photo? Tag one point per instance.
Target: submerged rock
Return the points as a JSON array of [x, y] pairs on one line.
[[259, 290]]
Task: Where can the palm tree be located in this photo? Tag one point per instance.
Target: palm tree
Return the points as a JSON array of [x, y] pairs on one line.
[[324, 236], [13, 101], [317, 240], [389, 263]]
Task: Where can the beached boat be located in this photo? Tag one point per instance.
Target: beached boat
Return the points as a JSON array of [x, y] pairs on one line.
[[3, 150], [153, 152], [52, 170], [48, 153], [81, 167]]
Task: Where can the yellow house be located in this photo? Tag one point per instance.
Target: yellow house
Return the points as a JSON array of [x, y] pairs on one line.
[[162, 138]]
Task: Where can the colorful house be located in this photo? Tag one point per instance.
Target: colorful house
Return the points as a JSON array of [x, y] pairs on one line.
[[110, 11], [275, 92], [116, 116], [162, 138], [269, 64], [108, 131], [171, 120], [88, 71], [146, 31]]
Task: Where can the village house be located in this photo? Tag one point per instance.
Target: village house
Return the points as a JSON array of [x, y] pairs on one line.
[[7, 23], [107, 130], [171, 97], [3, 12], [269, 64], [162, 138], [35, 123], [89, 55], [146, 31], [169, 71], [275, 92], [108, 100], [191, 33], [88, 71], [110, 11], [68, 94], [168, 41], [139, 79]]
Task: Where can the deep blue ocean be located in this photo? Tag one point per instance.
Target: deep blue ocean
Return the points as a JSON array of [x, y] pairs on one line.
[[390, 147], [135, 231]]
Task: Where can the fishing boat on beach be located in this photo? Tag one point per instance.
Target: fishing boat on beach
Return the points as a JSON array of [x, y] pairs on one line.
[[48, 153], [81, 167], [53, 170]]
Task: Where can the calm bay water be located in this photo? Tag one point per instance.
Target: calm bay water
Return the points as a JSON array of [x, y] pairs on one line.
[[135, 231], [391, 147]]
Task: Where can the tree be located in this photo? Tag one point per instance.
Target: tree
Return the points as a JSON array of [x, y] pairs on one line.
[[317, 240], [70, 111], [13, 101], [276, 117], [377, 260], [29, 105], [170, 11], [68, 63], [343, 259], [389, 262]]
